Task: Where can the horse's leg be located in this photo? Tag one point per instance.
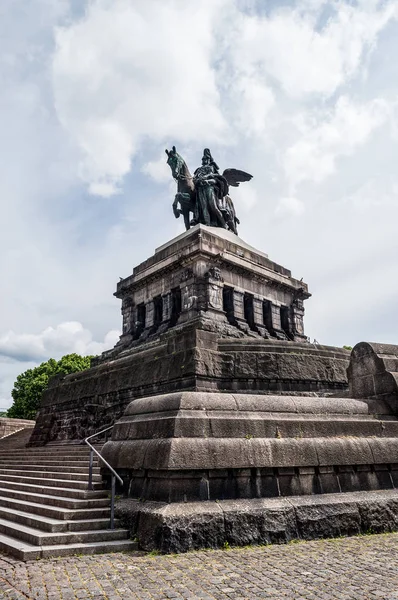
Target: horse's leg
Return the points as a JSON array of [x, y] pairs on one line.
[[176, 210], [186, 218]]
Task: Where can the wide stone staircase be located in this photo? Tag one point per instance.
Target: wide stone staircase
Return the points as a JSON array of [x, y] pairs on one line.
[[46, 508]]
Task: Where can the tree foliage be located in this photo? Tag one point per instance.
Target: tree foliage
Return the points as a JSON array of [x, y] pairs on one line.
[[30, 385]]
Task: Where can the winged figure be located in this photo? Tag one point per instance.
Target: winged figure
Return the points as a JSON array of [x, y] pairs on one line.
[[206, 192]]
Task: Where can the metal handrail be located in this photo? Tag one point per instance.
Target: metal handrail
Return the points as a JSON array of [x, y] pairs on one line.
[[114, 474]]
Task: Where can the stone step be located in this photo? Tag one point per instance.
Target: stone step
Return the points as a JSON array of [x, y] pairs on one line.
[[58, 483], [51, 524], [46, 508], [40, 457], [44, 538], [52, 500], [27, 453], [24, 551], [54, 449], [65, 492], [53, 469], [47, 450], [84, 464], [54, 512], [239, 424], [52, 475]]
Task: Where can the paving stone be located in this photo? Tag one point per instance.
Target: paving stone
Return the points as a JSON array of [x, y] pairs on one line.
[[356, 568]]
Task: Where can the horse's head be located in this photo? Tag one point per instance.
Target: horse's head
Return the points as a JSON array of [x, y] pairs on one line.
[[175, 162]]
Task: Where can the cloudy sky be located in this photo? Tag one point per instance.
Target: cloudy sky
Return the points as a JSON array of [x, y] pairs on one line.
[[302, 94]]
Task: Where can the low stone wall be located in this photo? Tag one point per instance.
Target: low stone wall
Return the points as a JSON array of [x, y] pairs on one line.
[[9, 426], [373, 375], [180, 527]]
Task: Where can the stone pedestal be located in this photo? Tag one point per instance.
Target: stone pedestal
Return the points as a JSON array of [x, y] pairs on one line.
[[216, 394], [210, 271]]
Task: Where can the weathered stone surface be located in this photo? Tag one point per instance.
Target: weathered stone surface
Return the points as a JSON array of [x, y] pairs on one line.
[[326, 516], [78, 405], [373, 375], [379, 515], [201, 446], [336, 451], [181, 527], [175, 528], [192, 321], [258, 521]]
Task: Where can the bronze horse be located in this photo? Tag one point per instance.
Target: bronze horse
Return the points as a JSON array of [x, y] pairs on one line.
[[186, 194]]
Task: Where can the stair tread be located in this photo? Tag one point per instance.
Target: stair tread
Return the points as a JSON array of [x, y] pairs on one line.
[[44, 468], [51, 488], [48, 507], [59, 498], [28, 477], [37, 474], [48, 534], [28, 551], [21, 513], [48, 520]]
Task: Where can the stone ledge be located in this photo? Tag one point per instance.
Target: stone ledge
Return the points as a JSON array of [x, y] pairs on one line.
[[9, 426], [180, 527]]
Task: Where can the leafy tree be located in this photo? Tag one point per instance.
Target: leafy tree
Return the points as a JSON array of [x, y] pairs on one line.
[[347, 347], [30, 385], [3, 413]]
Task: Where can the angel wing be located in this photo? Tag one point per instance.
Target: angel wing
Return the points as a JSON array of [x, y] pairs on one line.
[[235, 176]]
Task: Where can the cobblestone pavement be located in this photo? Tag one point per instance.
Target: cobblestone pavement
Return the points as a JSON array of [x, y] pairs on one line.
[[346, 568]]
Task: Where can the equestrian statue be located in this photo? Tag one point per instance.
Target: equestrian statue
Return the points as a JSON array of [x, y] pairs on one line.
[[206, 193]]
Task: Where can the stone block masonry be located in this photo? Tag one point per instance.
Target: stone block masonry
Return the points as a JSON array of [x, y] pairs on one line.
[[206, 312], [182, 527]]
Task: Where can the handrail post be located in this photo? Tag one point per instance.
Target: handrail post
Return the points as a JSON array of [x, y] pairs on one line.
[[112, 470], [113, 501], [90, 470]]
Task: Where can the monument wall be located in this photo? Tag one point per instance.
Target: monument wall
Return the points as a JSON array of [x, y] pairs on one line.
[[229, 426], [206, 313]]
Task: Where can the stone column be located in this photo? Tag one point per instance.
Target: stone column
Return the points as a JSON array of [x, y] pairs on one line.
[[127, 314], [239, 311], [128, 321], [149, 319], [166, 307], [149, 314], [259, 317], [276, 322], [298, 320], [166, 313]]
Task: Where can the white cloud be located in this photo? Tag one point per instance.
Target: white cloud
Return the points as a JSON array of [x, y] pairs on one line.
[[135, 82], [289, 206], [302, 57], [375, 194], [329, 134], [54, 342], [158, 169], [298, 94]]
